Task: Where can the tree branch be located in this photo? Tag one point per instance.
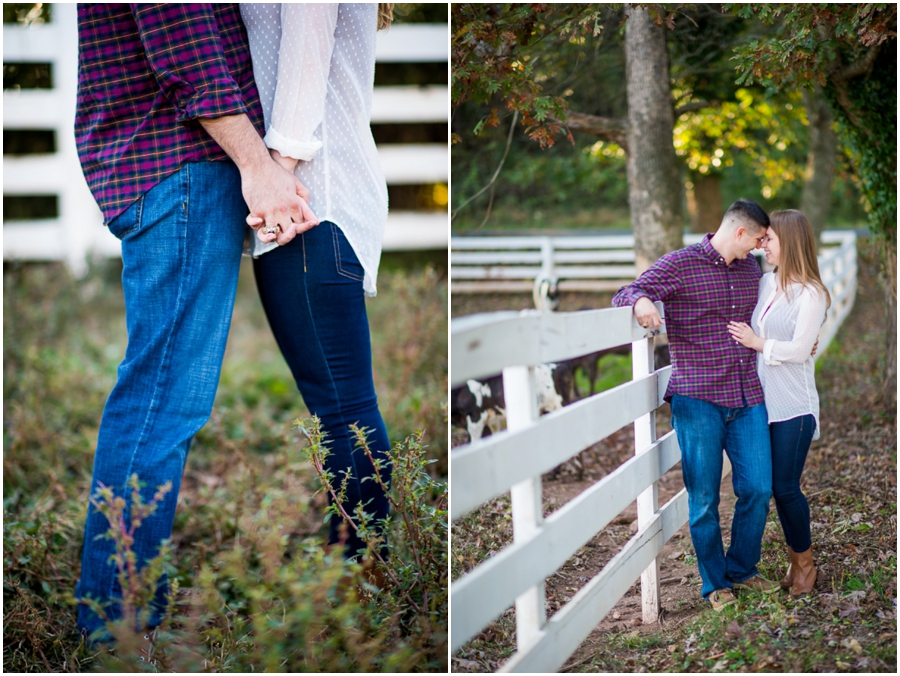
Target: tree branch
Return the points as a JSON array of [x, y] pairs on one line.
[[499, 167], [604, 128], [694, 105], [861, 67]]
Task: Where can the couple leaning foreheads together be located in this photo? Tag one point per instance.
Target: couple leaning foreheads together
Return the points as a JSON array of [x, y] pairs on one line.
[[743, 380]]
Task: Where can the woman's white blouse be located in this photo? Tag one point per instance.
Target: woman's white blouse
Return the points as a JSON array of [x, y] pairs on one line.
[[790, 328], [314, 66]]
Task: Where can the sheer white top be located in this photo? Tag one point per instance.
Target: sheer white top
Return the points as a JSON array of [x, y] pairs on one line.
[[314, 66], [790, 328]]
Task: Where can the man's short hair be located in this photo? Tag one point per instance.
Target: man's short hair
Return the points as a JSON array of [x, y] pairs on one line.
[[750, 212]]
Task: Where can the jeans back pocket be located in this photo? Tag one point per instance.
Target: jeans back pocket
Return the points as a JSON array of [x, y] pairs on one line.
[[345, 258]]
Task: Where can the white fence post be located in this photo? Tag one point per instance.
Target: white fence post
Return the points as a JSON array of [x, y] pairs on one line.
[[642, 364], [527, 510]]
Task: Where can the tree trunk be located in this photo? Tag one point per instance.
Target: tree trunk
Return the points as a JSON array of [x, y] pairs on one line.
[[654, 185], [708, 198], [821, 160]]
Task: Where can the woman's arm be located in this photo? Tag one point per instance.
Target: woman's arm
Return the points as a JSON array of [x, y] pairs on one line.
[[809, 321], [800, 347], [304, 60]]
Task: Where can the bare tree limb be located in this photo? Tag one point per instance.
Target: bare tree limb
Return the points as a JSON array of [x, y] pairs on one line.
[[499, 167], [861, 67], [604, 128], [694, 105]]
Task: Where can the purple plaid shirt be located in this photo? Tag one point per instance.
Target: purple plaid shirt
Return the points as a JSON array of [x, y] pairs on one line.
[[701, 295], [145, 74]]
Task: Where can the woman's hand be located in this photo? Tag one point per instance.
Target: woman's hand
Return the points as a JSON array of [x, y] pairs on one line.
[[284, 236], [744, 335]]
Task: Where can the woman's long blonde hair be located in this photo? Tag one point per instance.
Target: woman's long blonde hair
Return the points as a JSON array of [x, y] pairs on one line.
[[799, 262], [385, 14]]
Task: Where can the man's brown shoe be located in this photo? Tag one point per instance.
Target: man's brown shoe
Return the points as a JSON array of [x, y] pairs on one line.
[[721, 598], [757, 583], [805, 573], [788, 579]]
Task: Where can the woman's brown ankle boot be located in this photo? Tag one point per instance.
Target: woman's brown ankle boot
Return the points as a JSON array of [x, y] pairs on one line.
[[788, 578], [804, 573]]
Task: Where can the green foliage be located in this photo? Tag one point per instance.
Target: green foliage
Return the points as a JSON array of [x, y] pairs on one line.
[[769, 133], [850, 49], [493, 55], [252, 587]]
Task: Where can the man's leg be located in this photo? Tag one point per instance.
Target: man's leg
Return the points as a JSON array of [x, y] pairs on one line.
[[700, 427], [749, 449], [181, 250]]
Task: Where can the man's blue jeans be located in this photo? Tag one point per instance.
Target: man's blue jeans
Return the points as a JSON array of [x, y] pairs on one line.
[[181, 253], [703, 430], [312, 291]]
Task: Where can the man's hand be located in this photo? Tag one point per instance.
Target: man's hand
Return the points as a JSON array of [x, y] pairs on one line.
[[646, 314], [269, 190]]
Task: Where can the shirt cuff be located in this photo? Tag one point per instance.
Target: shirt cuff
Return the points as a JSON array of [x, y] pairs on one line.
[[219, 99], [299, 150], [767, 353]]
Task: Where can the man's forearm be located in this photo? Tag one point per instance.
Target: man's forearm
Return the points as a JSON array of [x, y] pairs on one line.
[[237, 137]]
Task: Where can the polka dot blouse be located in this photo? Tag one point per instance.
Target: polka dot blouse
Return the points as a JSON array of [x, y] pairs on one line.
[[314, 66], [790, 328]]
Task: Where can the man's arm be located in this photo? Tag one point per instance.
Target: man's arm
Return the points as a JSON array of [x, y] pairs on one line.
[[659, 282], [269, 190]]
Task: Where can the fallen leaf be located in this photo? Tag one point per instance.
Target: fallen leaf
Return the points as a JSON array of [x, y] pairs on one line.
[[734, 630], [855, 646]]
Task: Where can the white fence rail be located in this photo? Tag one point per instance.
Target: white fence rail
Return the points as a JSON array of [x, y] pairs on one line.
[[578, 262], [77, 233], [513, 461]]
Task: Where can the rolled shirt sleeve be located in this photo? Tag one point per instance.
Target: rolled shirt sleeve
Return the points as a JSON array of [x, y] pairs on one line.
[[184, 49], [659, 282], [304, 62]]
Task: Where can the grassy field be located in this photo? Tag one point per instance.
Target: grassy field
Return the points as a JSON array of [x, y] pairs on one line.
[[253, 589]]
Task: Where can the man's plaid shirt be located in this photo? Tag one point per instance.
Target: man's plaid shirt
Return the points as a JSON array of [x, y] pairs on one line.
[[701, 295], [145, 74]]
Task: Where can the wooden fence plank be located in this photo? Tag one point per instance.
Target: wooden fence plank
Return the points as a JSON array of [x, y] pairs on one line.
[[504, 459], [642, 363], [565, 631], [527, 509], [481, 348], [481, 595]]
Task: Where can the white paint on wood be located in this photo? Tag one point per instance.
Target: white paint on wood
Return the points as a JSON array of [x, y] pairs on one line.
[[642, 364], [481, 595], [527, 512], [410, 103], [482, 348], [414, 163], [410, 43], [565, 631], [492, 465]]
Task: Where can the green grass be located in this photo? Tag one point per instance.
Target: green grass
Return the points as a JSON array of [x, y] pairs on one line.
[[253, 589]]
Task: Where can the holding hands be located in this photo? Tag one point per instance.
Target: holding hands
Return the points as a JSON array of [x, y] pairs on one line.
[[280, 225]]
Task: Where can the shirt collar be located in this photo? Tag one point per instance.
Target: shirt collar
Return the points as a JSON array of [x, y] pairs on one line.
[[709, 251]]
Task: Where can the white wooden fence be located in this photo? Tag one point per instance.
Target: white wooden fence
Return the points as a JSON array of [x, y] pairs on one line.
[[78, 232], [576, 262], [513, 461]]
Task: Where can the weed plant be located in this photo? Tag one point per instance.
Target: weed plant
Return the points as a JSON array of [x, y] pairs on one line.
[[251, 588]]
